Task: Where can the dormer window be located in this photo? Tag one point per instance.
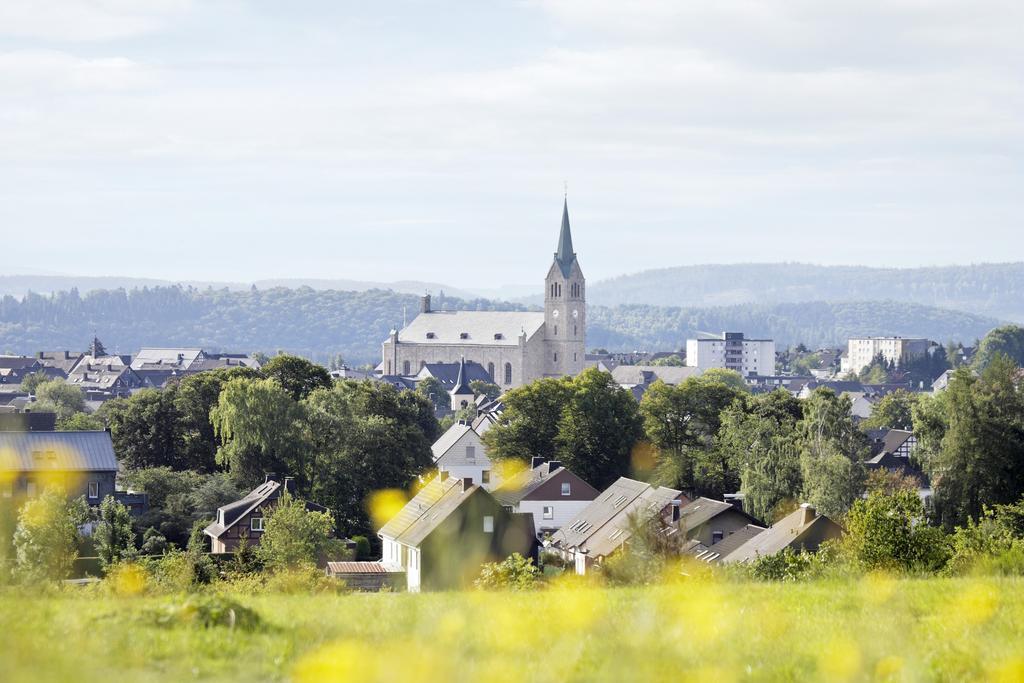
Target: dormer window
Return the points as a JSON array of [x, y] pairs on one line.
[[499, 335], [463, 335], [431, 335]]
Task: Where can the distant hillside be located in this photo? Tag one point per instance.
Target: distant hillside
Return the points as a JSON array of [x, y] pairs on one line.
[[994, 289], [319, 324]]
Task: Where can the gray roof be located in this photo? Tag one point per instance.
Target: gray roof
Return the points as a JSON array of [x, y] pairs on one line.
[[87, 451], [564, 255], [228, 515], [449, 439], [603, 525], [787, 532], [427, 510], [448, 373], [729, 544], [646, 374], [703, 510], [482, 328], [180, 358], [522, 483]]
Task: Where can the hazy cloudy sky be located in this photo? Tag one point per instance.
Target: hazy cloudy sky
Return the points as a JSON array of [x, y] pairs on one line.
[[225, 139]]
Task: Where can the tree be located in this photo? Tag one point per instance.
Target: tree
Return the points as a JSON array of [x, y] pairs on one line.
[[365, 437], [30, 382], [759, 439], [298, 376], [515, 573], [194, 398], [145, 429], [81, 422], [60, 397], [431, 389], [46, 538], [832, 453], [729, 378], [482, 388], [682, 421], [971, 437], [529, 425], [115, 540], [293, 535], [261, 430], [1007, 340], [599, 426], [876, 372], [888, 531], [674, 361], [894, 410], [170, 492]]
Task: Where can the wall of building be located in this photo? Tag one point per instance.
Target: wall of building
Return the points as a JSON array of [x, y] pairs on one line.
[[862, 350], [564, 512]]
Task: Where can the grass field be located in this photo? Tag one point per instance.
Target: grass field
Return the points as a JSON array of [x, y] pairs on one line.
[[872, 629]]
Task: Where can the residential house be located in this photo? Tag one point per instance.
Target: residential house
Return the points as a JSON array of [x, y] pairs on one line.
[[803, 529], [710, 521], [891, 450], [460, 453], [105, 377], [606, 524], [246, 518], [714, 554], [82, 463], [862, 404], [637, 378], [63, 361], [548, 491], [448, 530], [157, 366]]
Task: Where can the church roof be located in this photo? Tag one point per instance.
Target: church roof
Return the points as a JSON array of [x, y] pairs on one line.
[[467, 328], [462, 381], [565, 256]]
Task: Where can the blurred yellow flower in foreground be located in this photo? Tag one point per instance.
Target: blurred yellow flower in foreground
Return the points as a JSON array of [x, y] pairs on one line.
[[385, 504], [839, 660]]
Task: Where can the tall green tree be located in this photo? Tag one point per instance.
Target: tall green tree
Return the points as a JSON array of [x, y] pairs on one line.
[[972, 441], [261, 429], [194, 398], [599, 427], [60, 397], [530, 423], [894, 410], [46, 538], [759, 438], [115, 539], [294, 536], [1007, 340], [146, 429], [431, 389], [832, 452], [298, 376], [890, 532]]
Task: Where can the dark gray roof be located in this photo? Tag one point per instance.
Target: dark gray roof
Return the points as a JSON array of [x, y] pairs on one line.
[[727, 545], [88, 451], [426, 511], [703, 510], [461, 385], [230, 514], [565, 256], [788, 531], [450, 374]]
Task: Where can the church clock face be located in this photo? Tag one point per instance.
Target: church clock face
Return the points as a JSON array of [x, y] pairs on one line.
[[554, 314], [575, 314]]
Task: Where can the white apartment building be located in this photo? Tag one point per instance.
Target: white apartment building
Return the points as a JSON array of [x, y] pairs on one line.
[[862, 350], [732, 351]]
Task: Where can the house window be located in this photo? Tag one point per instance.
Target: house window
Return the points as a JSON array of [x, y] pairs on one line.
[[470, 452], [488, 524], [406, 368], [566, 488], [508, 373], [549, 512], [256, 524], [94, 489], [485, 477]]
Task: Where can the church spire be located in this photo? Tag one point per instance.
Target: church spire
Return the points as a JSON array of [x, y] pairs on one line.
[[565, 255]]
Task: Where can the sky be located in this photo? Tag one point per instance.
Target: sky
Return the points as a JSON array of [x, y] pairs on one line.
[[242, 140]]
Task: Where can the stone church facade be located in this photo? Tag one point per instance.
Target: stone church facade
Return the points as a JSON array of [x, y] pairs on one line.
[[516, 347]]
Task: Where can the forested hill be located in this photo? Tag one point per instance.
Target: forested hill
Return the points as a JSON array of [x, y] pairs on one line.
[[994, 289], [319, 324]]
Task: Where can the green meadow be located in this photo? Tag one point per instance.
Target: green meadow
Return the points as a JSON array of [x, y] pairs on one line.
[[875, 628]]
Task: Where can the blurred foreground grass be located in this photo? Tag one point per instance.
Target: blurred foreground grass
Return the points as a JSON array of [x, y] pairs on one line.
[[876, 628]]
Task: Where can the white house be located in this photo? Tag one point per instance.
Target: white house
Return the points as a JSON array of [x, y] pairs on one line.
[[460, 453], [548, 491]]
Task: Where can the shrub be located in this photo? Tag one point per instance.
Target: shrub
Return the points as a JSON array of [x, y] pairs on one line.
[[888, 531], [515, 573], [46, 538], [362, 547], [994, 544], [206, 611]]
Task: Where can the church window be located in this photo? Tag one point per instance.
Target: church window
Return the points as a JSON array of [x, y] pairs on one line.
[[406, 368], [508, 373], [490, 370], [556, 356], [431, 335], [574, 330], [556, 330], [389, 367]]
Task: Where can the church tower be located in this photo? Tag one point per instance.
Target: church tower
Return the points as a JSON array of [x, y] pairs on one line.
[[565, 309]]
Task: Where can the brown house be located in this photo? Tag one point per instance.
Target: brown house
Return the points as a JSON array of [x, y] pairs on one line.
[[245, 518]]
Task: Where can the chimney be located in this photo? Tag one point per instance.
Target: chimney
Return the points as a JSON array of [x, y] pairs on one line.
[[467, 483], [443, 475], [677, 506], [425, 303], [807, 514], [536, 461]]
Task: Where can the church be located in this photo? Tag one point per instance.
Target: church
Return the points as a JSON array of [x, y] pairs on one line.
[[515, 347]]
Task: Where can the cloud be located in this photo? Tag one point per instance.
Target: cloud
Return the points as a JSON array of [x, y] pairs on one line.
[[86, 20], [34, 72]]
